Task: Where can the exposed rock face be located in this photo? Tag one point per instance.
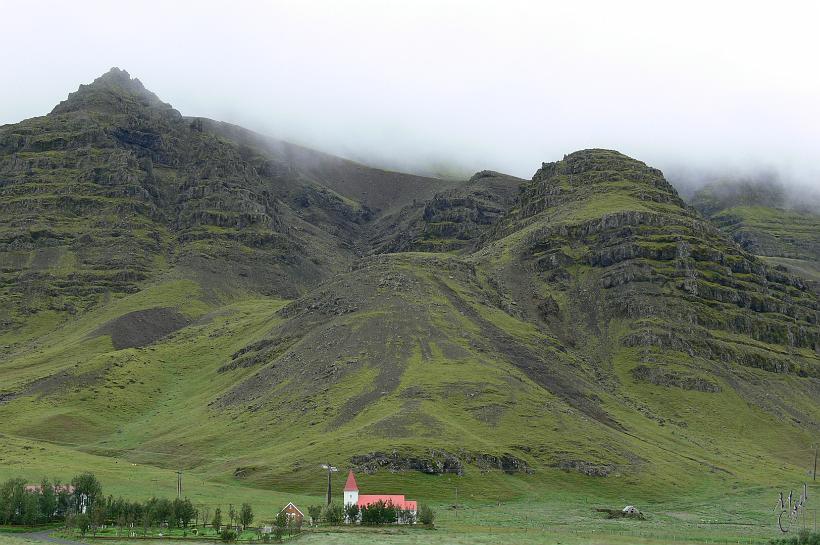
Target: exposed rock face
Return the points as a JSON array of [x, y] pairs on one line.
[[114, 181], [590, 469], [437, 462], [764, 220], [658, 264], [454, 220], [661, 377], [115, 92], [585, 320]]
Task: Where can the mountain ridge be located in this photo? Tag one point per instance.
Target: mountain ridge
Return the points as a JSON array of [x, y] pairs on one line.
[[584, 324]]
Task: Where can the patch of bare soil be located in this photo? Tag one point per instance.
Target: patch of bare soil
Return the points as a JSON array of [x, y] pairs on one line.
[[63, 380], [143, 327]]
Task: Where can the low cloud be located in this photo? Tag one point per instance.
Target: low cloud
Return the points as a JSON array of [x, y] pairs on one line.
[[697, 89]]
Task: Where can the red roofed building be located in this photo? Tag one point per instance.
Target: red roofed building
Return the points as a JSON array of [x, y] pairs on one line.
[[397, 500], [351, 495], [59, 488]]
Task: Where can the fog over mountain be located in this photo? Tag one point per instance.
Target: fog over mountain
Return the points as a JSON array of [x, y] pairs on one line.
[[453, 87], [589, 277]]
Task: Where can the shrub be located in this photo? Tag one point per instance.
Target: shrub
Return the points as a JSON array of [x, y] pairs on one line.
[[406, 516], [294, 526], [82, 523], [334, 514], [227, 536], [352, 513], [315, 513], [281, 521], [426, 515], [379, 513], [803, 537]]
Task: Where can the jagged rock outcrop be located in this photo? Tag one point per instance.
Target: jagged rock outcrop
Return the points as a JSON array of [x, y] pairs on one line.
[[454, 220]]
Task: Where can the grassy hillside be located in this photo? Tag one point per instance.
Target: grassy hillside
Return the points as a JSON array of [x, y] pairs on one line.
[[580, 338], [765, 223]]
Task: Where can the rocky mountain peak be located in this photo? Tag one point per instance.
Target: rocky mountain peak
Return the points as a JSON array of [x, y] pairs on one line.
[[113, 92], [601, 166]]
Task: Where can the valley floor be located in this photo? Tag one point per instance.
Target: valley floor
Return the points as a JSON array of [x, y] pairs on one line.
[[741, 516], [546, 508], [442, 536]]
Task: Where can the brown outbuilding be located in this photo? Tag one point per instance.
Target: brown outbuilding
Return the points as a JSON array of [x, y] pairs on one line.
[[295, 516]]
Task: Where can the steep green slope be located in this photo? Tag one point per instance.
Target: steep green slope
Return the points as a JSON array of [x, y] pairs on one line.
[[178, 296], [760, 218], [602, 329], [606, 225], [413, 371]]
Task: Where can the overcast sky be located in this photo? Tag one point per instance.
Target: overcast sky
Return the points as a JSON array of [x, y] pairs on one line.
[[474, 85]]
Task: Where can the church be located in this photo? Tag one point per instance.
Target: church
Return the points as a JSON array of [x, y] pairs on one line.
[[352, 497]]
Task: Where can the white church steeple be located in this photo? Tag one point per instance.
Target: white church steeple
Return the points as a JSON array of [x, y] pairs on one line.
[[351, 490]]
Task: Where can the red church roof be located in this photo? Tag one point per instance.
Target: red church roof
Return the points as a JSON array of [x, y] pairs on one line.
[[351, 485], [396, 499]]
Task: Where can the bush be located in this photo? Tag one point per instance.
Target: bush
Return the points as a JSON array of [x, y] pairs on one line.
[[803, 537], [281, 521], [82, 523], [227, 536], [334, 514], [426, 515], [352, 513], [379, 513], [315, 513], [406, 516]]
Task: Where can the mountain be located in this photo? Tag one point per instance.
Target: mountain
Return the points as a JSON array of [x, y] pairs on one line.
[[114, 188], [180, 292], [767, 220]]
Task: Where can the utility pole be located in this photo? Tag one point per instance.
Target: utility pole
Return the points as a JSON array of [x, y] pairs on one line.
[[179, 484], [814, 477], [330, 470]]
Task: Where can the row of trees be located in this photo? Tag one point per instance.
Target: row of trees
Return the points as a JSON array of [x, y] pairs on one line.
[[243, 518], [159, 512], [83, 506], [371, 515], [51, 502]]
